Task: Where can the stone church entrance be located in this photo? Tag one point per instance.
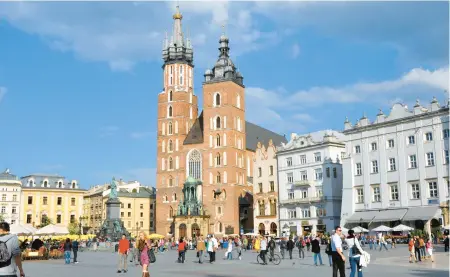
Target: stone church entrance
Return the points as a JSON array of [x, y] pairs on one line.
[[182, 231], [195, 230]]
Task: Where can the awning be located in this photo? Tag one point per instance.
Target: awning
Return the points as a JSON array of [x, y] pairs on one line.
[[421, 213], [377, 216]]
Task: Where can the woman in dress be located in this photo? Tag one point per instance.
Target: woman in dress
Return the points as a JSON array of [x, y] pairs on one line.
[[144, 245], [429, 247]]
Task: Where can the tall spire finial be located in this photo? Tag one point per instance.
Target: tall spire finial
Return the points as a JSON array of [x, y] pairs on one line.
[[177, 14]]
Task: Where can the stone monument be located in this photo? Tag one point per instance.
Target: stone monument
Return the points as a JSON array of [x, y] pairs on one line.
[[113, 227]]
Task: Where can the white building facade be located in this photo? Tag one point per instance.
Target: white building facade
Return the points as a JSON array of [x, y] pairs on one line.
[[396, 168], [10, 189], [310, 183], [265, 190]]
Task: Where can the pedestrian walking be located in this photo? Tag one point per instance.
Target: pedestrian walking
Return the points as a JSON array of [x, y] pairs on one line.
[[75, 246], [11, 251], [145, 246], [201, 247], [429, 248], [417, 249], [355, 252], [329, 252], [124, 246], [338, 255], [315, 248], [67, 250], [181, 250], [411, 251], [290, 246], [383, 243], [283, 246], [300, 245]]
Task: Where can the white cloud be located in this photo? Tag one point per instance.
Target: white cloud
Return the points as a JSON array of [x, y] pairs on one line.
[[107, 131], [279, 110], [140, 135], [2, 93], [295, 50]]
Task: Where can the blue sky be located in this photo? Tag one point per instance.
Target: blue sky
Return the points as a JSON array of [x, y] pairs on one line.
[[79, 81]]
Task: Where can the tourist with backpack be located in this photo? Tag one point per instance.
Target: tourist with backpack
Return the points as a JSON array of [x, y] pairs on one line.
[[329, 252], [300, 245], [10, 259]]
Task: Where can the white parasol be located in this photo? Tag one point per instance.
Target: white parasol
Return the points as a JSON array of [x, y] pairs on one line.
[[402, 228], [382, 228]]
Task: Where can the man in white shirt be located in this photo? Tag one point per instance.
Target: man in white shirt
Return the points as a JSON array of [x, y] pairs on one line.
[[337, 254], [263, 248]]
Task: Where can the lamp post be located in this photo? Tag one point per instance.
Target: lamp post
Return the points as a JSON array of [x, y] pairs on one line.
[[79, 224], [137, 228]]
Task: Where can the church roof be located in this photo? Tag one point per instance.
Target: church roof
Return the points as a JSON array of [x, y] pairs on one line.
[[254, 134], [195, 135]]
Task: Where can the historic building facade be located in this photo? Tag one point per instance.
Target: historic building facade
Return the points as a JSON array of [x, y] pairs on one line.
[[50, 197], [310, 179], [137, 211], [10, 188], [396, 169], [265, 189], [215, 147]]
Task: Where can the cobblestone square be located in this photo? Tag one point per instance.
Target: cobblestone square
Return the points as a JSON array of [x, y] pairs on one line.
[[391, 263]]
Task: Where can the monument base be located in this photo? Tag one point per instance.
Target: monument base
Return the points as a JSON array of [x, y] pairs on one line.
[[113, 227]]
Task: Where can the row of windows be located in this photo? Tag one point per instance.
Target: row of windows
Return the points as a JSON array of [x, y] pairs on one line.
[[410, 140], [122, 214], [180, 75], [46, 184], [217, 100], [318, 175], [260, 171], [141, 206], [5, 198], [59, 201], [412, 163], [13, 210], [303, 193], [303, 159], [59, 218], [432, 189], [272, 205], [271, 187]]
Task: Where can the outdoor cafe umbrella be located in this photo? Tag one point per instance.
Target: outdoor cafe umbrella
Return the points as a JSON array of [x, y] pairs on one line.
[[359, 229], [52, 230], [251, 234], [382, 228], [402, 228], [20, 230]]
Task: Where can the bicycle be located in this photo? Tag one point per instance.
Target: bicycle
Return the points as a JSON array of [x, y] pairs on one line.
[[275, 259]]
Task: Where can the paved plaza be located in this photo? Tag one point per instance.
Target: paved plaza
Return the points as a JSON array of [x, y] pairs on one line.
[[391, 263]]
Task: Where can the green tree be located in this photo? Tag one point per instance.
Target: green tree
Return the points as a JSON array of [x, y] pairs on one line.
[[45, 221], [74, 228], [2, 218]]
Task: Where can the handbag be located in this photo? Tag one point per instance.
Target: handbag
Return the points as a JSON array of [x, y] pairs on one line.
[[355, 249], [151, 255]]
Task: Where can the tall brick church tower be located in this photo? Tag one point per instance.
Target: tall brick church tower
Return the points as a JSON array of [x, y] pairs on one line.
[[177, 111]]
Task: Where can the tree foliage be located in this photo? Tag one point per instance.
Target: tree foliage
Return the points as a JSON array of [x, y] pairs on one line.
[[74, 228], [45, 221]]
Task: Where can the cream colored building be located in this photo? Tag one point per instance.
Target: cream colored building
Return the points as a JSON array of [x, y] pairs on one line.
[[137, 209], [10, 188], [265, 189], [50, 196]]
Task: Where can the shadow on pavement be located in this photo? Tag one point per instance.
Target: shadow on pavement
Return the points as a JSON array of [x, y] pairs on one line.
[[430, 273]]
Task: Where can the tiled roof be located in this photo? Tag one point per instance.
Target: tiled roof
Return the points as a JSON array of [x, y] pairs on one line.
[[195, 135]]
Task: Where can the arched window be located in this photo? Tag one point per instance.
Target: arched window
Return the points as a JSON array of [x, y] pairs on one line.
[[170, 96], [218, 178], [217, 140], [218, 122], [170, 181], [170, 163], [169, 111], [59, 184], [174, 197], [45, 184], [170, 146], [238, 101], [238, 121], [223, 195], [194, 164], [165, 199], [170, 129], [171, 212], [218, 159], [220, 227], [217, 99]]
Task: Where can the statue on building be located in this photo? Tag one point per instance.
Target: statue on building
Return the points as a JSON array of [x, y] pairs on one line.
[[190, 204], [113, 192]]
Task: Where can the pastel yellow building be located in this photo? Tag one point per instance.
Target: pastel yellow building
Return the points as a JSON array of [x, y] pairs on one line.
[[50, 196], [137, 209]]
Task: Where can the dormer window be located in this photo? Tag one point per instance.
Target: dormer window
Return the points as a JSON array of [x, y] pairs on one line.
[[30, 183], [74, 185], [45, 185], [60, 184]]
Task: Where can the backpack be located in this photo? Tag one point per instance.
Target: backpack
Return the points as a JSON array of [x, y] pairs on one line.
[[417, 244], [5, 254], [151, 255]]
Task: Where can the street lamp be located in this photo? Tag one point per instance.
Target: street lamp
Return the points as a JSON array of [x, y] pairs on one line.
[[80, 226], [137, 228]]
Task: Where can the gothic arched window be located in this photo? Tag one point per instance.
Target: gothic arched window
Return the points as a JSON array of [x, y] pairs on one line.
[[170, 128], [170, 163], [238, 101], [170, 146], [217, 99], [218, 122], [170, 96], [194, 164], [218, 178], [174, 197], [171, 212], [218, 159], [169, 111], [217, 140]]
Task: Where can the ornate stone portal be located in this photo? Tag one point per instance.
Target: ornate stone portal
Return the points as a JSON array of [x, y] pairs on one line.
[[113, 227], [191, 220]]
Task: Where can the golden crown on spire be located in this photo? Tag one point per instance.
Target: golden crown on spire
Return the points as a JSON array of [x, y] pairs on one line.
[[177, 14]]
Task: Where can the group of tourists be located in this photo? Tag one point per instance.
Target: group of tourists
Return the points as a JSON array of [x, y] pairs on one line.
[[140, 251], [419, 249]]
